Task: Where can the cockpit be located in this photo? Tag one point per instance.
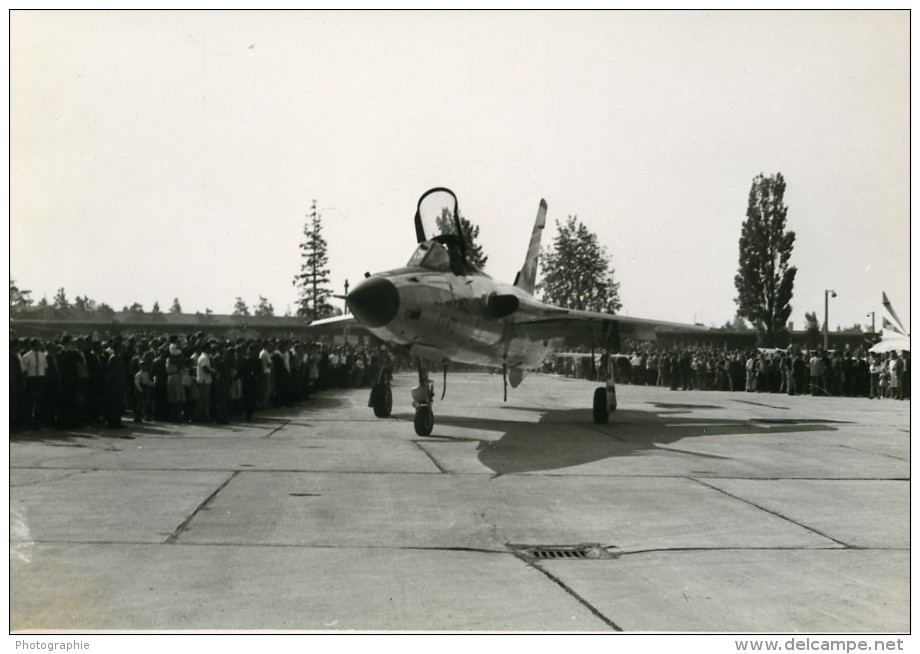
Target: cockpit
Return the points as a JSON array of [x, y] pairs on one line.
[[431, 255], [439, 232], [442, 255]]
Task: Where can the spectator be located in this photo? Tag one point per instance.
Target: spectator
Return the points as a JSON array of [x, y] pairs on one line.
[[895, 374], [69, 362], [204, 378], [35, 368], [115, 385], [17, 386], [143, 393], [265, 383], [252, 373]]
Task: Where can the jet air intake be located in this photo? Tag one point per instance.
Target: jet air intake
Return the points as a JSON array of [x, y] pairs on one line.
[[499, 305], [375, 302]]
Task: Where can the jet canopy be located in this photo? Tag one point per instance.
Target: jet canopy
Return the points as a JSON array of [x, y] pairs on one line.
[[431, 255], [439, 232]]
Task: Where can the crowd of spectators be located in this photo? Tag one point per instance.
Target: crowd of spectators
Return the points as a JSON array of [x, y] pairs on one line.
[[67, 383], [792, 371], [78, 382]]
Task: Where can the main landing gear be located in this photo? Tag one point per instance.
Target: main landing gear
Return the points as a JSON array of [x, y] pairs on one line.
[[605, 397], [382, 400]]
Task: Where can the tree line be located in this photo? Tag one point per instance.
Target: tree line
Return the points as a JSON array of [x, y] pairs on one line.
[[85, 307], [576, 271]]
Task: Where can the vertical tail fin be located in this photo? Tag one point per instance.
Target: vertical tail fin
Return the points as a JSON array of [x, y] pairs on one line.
[[527, 277]]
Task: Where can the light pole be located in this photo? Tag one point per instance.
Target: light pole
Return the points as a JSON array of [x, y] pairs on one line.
[[345, 325], [873, 320], [826, 324]]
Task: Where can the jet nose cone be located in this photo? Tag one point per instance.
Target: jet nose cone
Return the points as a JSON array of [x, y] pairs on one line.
[[375, 301]]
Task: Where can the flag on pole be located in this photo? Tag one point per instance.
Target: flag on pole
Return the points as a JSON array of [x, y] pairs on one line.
[[897, 321], [888, 327]]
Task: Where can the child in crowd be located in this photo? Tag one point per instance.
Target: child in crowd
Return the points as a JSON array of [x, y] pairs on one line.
[[143, 394]]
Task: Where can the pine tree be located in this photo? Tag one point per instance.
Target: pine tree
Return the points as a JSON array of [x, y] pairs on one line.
[[84, 305], [60, 300], [765, 279], [313, 279], [240, 308], [577, 271], [265, 308], [157, 313], [176, 307], [474, 255]]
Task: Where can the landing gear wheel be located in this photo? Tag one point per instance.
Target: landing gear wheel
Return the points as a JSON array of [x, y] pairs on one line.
[[382, 400], [424, 420], [601, 410]]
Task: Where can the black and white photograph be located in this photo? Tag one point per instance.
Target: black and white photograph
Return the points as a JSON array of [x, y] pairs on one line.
[[472, 323]]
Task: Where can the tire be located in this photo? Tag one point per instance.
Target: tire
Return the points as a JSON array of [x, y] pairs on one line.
[[601, 410], [382, 400], [424, 420]]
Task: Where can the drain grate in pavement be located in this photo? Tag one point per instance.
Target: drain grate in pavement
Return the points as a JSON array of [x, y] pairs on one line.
[[563, 552]]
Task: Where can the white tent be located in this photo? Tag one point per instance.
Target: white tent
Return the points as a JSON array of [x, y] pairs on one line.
[[892, 341]]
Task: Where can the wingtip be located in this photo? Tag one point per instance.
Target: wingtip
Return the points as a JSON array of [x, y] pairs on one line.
[[542, 203]]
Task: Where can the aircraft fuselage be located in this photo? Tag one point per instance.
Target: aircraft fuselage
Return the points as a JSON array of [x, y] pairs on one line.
[[441, 315]]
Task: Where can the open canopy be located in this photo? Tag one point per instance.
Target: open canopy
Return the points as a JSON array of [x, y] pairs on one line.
[[439, 232]]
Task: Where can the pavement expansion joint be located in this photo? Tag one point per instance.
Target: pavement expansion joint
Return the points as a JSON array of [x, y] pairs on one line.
[[429, 455], [185, 523], [38, 482], [773, 513], [277, 429]]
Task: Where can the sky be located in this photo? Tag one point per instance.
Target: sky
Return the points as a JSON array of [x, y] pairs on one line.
[[162, 155]]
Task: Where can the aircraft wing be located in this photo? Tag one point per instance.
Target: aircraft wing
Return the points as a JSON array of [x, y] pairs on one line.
[[344, 321], [538, 321]]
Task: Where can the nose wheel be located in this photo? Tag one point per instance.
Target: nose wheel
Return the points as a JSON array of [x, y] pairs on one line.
[[424, 420], [422, 399]]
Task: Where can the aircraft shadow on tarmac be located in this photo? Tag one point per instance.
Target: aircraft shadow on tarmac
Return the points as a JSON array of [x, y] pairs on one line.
[[566, 438]]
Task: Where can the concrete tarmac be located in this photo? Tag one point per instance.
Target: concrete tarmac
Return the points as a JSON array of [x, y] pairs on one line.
[[690, 511]]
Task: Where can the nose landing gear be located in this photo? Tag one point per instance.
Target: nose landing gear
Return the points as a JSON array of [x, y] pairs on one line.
[[422, 399], [424, 420]]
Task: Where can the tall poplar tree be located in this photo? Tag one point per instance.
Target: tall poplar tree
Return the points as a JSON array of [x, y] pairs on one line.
[[577, 271], [313, 279], [765, 279]]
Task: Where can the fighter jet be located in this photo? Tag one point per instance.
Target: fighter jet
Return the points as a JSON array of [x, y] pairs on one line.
[[439, 308]]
